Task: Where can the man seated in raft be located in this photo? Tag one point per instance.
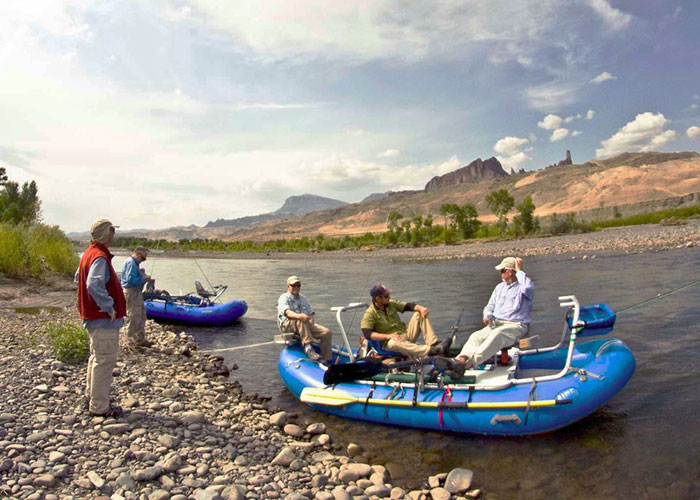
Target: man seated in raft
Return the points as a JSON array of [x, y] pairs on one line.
[[381, 322], [294, 315], [506, 316]]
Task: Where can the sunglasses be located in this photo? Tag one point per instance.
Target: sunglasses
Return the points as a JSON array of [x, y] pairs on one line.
[[505, 270], [296, 285]]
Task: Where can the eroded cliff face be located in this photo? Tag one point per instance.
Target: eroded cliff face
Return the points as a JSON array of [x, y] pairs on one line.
[[476, 171]]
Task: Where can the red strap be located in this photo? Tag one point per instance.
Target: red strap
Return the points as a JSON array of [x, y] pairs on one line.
[[447, 394]]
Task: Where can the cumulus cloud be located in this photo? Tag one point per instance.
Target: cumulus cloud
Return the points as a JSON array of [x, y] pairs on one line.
[[603, 77], [550, 122], [559, 134], [513, 161], [613, 18], [389, 153], [693, 132], [571, 118], [509, 151], [576, 133], [589, 114], [509, 145], [645, 132]]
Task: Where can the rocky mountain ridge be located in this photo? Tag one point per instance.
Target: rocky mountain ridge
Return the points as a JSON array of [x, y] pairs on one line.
[[476, 171]]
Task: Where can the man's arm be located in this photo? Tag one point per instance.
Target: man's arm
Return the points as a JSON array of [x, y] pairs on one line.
[[491, 306], [97, 278], [525, 284]]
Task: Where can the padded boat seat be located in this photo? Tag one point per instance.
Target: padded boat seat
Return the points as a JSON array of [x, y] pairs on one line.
[[377, 346]]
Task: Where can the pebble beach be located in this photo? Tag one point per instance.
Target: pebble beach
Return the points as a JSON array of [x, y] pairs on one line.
[[189, 431]]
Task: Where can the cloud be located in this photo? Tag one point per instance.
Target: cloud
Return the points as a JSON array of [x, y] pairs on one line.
[[576, 133], [693, 132], [550, 122], [644, 133], [389, 153], [559, 134], [569, 119], [509, 145], [551, 96], [603, 77], [509, 150], [513, 161], [589, 114], [613, 18]]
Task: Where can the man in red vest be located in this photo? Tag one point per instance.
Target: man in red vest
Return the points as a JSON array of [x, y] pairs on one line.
[[102, 308]]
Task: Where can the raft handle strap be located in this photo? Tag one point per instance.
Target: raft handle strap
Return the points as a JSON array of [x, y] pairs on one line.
[[369, 395], [447, 394], [530, 397], [392, 394]]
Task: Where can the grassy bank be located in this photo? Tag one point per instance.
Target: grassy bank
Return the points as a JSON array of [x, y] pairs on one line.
[[36, 251]]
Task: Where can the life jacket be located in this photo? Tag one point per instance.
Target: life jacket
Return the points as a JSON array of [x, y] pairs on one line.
[[87, 306]]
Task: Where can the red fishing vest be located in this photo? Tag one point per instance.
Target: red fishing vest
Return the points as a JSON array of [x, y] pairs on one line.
[[86, 304]]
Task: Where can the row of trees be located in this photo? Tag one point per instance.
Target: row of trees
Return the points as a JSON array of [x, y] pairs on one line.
[[18, 204]]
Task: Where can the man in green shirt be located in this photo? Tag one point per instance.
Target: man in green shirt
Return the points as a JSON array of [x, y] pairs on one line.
[[381, 322]]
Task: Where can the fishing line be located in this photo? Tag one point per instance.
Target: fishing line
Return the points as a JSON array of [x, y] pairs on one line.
[[659, 296], [360, 292]]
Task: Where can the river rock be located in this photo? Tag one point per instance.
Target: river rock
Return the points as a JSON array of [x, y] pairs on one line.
[[95, 479], [148, 474], [316, 428], [397, 493], [44, 481], [293, 430], [339, 493], [279, 418], [458, 480], [114, 429], [354, 449], [379, 490], [193, 417], [284, 457], [440, 494], [362, 470]]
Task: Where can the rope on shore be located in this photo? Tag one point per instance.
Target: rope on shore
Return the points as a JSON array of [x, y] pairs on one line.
[[236, 348]]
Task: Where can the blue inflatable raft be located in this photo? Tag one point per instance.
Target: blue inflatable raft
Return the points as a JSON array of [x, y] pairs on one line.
[[539, 391], [191, 310]]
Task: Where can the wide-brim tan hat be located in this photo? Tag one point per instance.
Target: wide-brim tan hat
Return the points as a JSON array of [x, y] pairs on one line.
[[293, 280], [100, 230]]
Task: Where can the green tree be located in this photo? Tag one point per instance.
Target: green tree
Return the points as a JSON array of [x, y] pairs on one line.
[[467, 221], [500, 202], [525, 222], [19, 206], [3, 176]]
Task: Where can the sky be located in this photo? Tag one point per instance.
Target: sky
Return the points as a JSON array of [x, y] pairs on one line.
[[164, 113]]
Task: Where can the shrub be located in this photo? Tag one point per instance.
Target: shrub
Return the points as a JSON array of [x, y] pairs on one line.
[[14, 259], [69, 343], [37, 251]]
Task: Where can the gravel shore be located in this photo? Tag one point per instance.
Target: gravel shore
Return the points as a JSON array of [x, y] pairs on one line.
[[626, 239], [188, 431]]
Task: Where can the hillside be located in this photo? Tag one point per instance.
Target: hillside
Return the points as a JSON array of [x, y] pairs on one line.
[[627, 183]]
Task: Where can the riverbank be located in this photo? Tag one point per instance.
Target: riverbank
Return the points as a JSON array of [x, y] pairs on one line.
[[189, 432], [626, 239]]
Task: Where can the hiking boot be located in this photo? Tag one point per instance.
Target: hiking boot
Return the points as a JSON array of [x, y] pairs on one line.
[[436, 349], [311, 353], [446, 344], [143, 343], [112, 412]]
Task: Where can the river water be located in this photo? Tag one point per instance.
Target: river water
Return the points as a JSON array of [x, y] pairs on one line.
[[644, 443]]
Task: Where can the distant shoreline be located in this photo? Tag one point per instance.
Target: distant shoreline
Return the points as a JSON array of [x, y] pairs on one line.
[[626, 239]]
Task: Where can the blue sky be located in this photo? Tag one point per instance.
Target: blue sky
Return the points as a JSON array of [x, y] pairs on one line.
[[170, 113]]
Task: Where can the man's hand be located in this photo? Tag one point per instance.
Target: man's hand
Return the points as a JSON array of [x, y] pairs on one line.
[[394, 336], [486, 321], [518, 264], [112, 316], [424, 311], [304, 317]]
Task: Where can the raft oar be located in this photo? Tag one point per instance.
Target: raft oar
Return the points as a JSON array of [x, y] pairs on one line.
[[334, 397]]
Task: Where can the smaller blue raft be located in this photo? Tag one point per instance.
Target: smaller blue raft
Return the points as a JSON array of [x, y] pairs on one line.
[[542, 389], [190, 310]]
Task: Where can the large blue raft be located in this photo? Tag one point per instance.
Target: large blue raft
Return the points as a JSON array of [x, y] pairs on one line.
[[540, 391], [195, 311]]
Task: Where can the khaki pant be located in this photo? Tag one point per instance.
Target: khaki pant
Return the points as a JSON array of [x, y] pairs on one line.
[[135, 315], [104, 343], [484, 343], [307, 330], [406, 344]]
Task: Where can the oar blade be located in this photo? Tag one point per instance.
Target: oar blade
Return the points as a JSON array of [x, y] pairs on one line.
[[325, 397]]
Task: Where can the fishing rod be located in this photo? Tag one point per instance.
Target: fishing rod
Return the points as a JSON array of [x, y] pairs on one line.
[[202, 271], [237, 348]]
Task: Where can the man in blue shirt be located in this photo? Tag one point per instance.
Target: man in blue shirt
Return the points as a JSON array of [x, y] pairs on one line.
[[294, 315], [133, 279], [506, 316]]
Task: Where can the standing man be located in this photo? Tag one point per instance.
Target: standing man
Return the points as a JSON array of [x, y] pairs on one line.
[[294, 315], [102, 307], [381, 322], [506, 316], [133, 279]]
